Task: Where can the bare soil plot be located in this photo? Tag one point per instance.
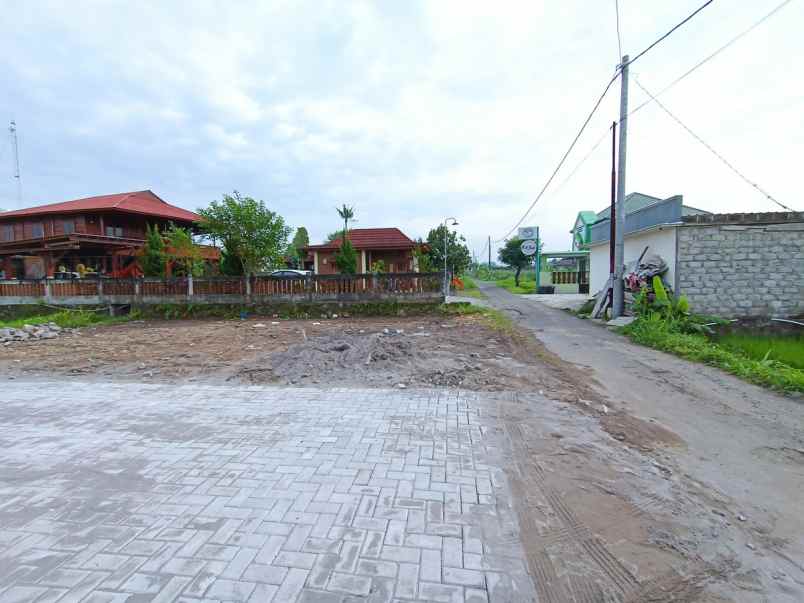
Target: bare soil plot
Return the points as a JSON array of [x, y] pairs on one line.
[[396, 352]]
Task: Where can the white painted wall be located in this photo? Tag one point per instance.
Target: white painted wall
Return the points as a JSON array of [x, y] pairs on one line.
[[662, 241]]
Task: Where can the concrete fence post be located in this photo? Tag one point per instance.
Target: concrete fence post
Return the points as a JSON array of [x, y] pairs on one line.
[[138, 288], [100, 289], [47, 290], [248, 288], [190, 285]]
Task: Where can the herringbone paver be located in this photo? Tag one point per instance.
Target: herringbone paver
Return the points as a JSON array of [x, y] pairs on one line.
[[126, 492]]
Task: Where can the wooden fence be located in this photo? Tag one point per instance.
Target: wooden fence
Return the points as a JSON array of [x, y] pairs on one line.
[[257, 289]]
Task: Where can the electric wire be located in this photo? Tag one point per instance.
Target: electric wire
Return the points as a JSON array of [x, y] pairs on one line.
[[670, 31], [712, 55], [594, 110], [709, 147], [692, 69]]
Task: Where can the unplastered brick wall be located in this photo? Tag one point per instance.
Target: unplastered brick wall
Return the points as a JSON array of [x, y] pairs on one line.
[[741, 265]]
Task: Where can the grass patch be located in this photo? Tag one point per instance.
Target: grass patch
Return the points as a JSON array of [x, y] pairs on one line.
[[67, 319], [483, 273], [470, 288], [288, 310], [490, 317], [527, 284], [768, 372], [787, 349]]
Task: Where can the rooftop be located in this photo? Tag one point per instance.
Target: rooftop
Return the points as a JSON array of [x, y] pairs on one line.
[[638, 201], [138, 202], [371, 238]]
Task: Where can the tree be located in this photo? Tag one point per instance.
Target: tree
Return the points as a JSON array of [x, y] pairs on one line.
[[300, 240], [511, 255], [346, 258], [230, 263], [153, 253], [334, 235], [346, 213], [182, 252], [250, 232], [294, 254], [458, 256], [422, 256]]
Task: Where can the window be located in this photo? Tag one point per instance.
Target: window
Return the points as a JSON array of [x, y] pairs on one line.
[[7, 233], [114, 231], [68, 226], [37, 230]]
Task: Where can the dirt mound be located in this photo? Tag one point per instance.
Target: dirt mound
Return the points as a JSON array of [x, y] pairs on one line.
[[391, 357]]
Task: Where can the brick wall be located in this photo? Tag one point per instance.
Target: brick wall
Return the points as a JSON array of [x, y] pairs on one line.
[[743, 265]]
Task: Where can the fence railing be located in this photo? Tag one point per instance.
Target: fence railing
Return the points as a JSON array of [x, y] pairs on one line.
[[335, 287]]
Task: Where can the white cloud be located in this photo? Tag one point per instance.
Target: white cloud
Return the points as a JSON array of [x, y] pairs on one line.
[[411, 111]]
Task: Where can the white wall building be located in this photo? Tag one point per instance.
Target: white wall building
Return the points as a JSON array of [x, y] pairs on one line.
[[649, 222]]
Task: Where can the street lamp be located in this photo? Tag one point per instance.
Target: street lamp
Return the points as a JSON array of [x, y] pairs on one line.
[[446, 281]]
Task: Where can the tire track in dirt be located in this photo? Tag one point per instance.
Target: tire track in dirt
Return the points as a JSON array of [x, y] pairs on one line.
[[533, 481], [676, 587]]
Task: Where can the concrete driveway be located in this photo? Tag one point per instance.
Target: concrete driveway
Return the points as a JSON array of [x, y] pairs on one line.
[[125, 492]]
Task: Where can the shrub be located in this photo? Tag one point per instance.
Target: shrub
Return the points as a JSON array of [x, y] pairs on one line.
[[346, 258]]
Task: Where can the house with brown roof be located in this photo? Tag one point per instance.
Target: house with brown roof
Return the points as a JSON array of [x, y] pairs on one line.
[[389, 245], [102, 233]]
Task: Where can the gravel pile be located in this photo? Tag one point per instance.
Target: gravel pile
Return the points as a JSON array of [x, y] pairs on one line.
[[29, 332]]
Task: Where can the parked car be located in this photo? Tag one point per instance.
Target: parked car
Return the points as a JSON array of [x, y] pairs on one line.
[[290, 273]]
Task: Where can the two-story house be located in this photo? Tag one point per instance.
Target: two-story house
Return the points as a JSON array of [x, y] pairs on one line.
[[98, 233]]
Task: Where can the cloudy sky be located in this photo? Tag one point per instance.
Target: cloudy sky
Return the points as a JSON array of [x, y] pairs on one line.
[[411, 111]]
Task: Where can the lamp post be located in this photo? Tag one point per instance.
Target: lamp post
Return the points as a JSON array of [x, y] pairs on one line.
[[446, 280]]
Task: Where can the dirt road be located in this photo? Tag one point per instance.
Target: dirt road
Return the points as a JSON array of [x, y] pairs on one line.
[[737, 444]]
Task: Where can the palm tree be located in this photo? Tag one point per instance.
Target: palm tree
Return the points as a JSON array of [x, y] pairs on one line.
[[346, 213]]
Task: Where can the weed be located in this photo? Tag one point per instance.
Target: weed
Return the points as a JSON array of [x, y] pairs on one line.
[[67, 319], [657, 332], [786, 349]]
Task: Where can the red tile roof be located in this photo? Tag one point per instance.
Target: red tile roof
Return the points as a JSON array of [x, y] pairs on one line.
[[371, 238], [139, 202]]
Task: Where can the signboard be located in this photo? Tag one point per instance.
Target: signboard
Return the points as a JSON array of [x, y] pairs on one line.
[[528, 232], [528, 247]]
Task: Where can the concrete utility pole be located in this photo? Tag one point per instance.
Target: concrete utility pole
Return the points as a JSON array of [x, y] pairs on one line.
[[446, 233], [489, 253], [619, 244]]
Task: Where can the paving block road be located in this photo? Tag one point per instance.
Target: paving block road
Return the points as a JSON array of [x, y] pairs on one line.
[[131, 492]]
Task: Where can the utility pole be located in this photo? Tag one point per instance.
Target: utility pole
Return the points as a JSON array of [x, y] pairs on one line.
[[612, 210], [12, 128], [489, 253], [619, 246]]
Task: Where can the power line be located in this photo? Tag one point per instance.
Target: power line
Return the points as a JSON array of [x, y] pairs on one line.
[[711, 150], [594, 110], [712, 55], [564, 157], [619, 39], [700, 63], [672, 29]]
